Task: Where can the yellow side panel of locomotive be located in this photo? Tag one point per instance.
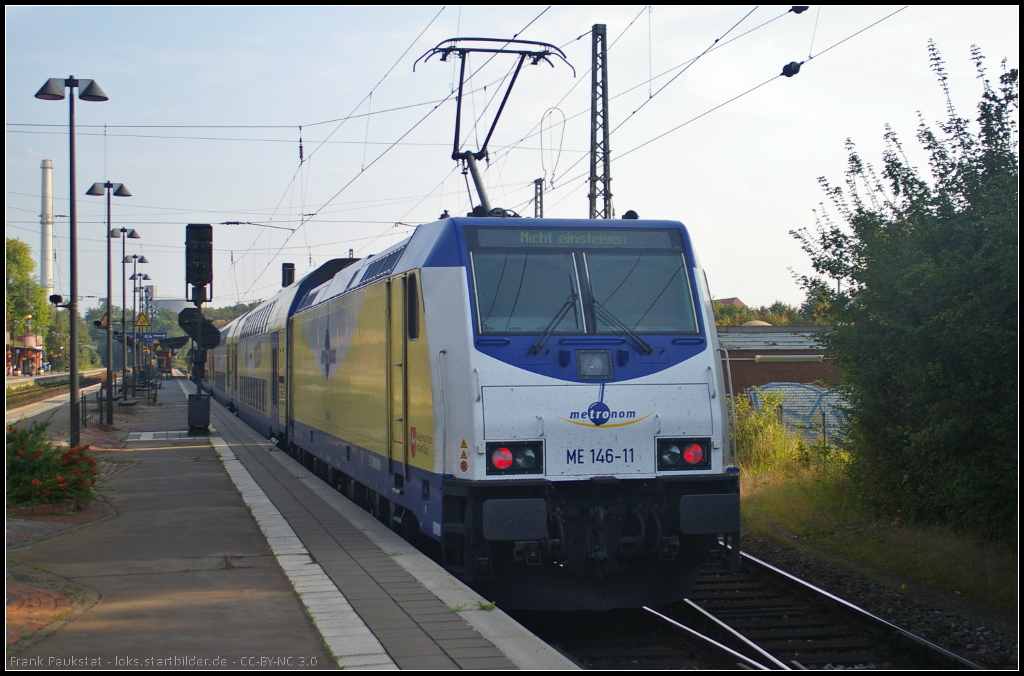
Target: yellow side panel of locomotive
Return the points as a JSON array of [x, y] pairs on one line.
[[423, 452], [340, 368]]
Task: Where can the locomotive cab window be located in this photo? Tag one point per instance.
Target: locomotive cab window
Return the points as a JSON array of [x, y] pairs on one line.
[[596, 281], [649, 292], [524, 292]]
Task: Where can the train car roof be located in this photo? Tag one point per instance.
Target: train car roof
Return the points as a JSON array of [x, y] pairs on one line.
[[272, 313], [439, 244]]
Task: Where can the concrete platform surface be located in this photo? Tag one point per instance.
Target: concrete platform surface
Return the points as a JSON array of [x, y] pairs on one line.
[[226, 553]]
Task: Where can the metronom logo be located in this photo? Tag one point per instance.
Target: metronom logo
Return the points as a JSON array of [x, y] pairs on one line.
[[600, 415]]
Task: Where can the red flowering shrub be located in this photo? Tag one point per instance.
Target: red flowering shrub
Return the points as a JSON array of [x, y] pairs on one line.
[[39, 473]]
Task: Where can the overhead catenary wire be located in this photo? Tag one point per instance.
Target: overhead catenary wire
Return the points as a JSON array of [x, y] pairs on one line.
[[390, 70], [320, 145], [814, 33], [353, 116], [390, 147], [738, 96], [686, 68], [533, 131], [353, 205], [322, 217]]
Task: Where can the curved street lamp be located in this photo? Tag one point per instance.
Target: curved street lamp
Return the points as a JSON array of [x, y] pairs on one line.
[[88, 90], [97, 190]]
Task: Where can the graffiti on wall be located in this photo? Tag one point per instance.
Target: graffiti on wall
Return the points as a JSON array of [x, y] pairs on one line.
[[810, 409]]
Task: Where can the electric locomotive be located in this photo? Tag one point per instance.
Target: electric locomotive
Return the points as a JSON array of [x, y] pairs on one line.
[[540, 398]]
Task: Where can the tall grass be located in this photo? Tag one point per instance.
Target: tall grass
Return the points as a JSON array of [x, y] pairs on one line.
[[797, 491], [766, 444]]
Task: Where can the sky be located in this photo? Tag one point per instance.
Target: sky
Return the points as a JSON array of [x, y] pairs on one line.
[[207, 107]]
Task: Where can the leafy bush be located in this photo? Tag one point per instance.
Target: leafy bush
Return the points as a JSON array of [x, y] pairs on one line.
[[921, 282], [39, 473]]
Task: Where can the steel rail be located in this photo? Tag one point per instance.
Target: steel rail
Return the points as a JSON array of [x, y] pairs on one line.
[[715, 646], [927, 648], [738, 636]]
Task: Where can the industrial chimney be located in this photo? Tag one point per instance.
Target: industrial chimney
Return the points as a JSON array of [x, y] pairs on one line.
[[46, 230], [287, 274]]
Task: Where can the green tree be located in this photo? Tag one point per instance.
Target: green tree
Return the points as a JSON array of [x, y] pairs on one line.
[[923, 292], [90, 353], [776, 314], [57, 342], [25, 297], [163, 320], [220, 316]]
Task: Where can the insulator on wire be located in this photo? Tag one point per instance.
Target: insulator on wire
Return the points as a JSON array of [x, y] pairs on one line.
[[791, 68]]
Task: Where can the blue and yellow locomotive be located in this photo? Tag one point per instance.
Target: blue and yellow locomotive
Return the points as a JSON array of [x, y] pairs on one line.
[[540, 398]]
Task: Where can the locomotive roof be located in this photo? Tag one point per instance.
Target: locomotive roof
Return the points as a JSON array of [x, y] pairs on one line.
[[438, 244]]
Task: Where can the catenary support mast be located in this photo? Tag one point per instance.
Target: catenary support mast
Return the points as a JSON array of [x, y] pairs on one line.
[[600, 151]]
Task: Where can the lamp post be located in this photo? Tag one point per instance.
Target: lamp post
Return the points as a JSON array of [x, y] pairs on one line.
[[98, 189], [138, 278], [147, 311], [124, 233], [88, 90], [135, 260]]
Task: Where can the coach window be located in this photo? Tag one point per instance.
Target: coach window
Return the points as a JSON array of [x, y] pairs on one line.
[[412, 301]]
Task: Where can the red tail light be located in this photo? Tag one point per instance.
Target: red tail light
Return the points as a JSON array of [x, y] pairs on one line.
[[693, 454], [501, 458], [515, 457], [683, 454]]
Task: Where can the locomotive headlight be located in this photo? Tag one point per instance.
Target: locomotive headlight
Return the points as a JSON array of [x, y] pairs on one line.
[[526, 458], [515, 457], [670, 455], [683, 454]]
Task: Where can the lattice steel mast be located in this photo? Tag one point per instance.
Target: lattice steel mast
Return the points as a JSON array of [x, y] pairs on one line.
[[600, 151]]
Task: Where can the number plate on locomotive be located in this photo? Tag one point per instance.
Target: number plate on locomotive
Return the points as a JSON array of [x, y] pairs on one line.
[[605, 456]]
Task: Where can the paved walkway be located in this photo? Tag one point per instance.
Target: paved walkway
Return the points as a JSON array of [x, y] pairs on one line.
[[259, 565]]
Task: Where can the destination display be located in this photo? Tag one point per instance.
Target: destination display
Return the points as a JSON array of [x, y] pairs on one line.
[[581, 238]]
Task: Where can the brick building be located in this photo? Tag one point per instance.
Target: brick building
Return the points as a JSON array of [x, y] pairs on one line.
[[785, 360], [758, 355]]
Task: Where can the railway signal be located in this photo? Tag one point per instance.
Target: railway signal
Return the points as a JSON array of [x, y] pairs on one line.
[[199, 275]]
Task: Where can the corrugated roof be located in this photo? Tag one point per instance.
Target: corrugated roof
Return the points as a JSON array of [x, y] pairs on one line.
[[763, 338]]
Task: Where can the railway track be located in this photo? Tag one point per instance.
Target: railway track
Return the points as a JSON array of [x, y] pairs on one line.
[[28, 392], [619, 640], [759, 618], [778, 621]]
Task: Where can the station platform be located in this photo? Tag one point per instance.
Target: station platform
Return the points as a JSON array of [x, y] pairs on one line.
[[222, 551]]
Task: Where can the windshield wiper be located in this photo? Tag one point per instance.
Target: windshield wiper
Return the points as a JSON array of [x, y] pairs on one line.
[[550, 328], [603, 314]]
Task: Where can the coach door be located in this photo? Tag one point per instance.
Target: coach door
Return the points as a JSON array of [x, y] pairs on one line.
[[398, 409], [275, 380]]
